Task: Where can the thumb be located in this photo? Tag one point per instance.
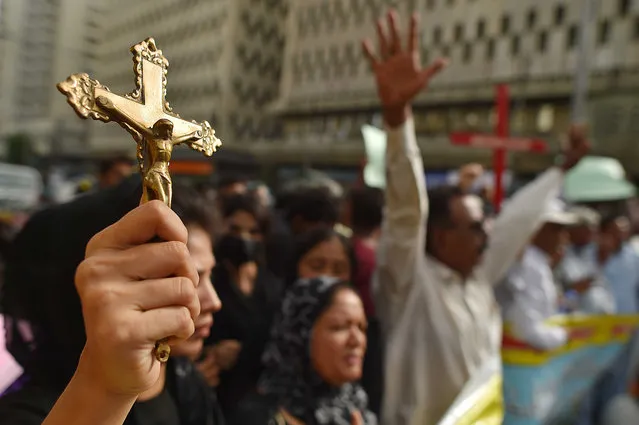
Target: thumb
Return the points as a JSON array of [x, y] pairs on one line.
[[434, 69], [357, 418]]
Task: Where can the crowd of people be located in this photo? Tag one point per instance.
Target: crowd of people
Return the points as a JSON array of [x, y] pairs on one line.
[[277, 315]]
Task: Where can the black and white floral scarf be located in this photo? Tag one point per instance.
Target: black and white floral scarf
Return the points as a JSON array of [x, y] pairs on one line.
[[289, 376]]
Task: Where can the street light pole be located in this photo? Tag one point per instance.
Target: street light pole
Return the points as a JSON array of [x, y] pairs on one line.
[[582, 71]]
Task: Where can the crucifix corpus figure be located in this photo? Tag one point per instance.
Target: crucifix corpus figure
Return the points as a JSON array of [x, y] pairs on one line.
[[147, 116]]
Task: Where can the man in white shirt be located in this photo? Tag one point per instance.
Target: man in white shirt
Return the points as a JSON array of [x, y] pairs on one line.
[[532, 283], [435, 298]]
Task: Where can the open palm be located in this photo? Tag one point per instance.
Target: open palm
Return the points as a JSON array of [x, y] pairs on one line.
[[398, 70]]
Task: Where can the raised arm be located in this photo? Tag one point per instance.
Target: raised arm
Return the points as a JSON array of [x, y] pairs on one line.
[[522, 215], [133, 293], [400, 77]]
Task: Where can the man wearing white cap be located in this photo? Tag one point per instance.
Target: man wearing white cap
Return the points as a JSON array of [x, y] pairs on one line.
[[535, 296]]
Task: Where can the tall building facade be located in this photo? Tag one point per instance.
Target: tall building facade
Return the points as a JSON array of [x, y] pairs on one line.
[[41, 43], [327, 91], [224, 58]]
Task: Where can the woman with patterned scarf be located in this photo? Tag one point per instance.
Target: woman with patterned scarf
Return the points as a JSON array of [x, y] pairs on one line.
[[314, 358]]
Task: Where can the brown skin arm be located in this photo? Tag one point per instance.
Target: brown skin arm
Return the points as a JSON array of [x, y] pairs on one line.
[[578, 147]]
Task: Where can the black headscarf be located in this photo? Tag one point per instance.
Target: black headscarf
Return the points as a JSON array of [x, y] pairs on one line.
[[289, 376], [38, 287]]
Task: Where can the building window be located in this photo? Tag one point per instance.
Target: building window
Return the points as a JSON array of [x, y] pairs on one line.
[[542, 41], [431, 4], [624, 7], [573, 37], [531, 19], [451, 3], [468, 53], [636, 29], [459, 32], [514, 46], [445, 52], [604, 33], [505, 24], [437, 35], [490, 49], [560, 14], [481, 28], [545, 119]]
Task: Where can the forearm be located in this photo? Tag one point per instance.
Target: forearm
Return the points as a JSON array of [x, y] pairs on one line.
[[517, 223], [545, 337], [406, 199], [82, 403]]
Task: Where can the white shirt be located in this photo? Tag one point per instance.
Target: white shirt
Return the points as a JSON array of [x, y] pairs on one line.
[[439, 329], [534, 300]]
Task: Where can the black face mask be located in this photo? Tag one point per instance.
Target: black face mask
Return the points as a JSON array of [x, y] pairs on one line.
[[237, 250]]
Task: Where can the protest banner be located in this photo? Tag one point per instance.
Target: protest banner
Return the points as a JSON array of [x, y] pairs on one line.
[[481, 401], [548, 387]]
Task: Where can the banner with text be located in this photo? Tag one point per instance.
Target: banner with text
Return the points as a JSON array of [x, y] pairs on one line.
[[547, 387]]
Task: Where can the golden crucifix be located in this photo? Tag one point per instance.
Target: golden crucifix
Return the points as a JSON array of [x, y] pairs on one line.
[[145, 114]]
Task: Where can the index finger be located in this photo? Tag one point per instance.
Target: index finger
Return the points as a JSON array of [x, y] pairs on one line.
[[209, 361], [357, 418], [150, 220], [413, 35]]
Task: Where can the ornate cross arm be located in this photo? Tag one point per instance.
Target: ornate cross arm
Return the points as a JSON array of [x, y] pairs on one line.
[[203, 140], [80, 92]]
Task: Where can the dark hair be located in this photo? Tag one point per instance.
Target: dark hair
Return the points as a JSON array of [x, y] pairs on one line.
[[609, 220], [39, 280], [107, 164], [315, 205], [309, 240], [193, 210], [367, 204], [247, 203], [439, 213], [231, 179]]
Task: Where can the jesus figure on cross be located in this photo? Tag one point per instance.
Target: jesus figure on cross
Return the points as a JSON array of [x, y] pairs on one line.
[[146, 115], [159, 142]]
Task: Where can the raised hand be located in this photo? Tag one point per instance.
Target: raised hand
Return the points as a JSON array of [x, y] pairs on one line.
[[578, 147], [134, 293], [398, 71], [209, 368]]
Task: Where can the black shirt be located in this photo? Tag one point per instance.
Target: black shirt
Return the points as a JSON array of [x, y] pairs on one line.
[[160, 410], [186, 400]]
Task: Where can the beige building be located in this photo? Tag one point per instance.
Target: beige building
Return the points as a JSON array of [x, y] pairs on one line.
[[42, 42], [327, 91], [224, 56]]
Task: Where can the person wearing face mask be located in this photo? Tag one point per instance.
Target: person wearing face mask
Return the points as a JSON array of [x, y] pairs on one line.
[[250, 295]]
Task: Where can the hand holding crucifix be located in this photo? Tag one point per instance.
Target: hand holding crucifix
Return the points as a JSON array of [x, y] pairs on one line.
[[147, 116]]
